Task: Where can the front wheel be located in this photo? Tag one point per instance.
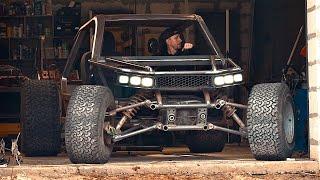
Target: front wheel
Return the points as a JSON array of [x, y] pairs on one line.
[[86, 140], [271, 120]]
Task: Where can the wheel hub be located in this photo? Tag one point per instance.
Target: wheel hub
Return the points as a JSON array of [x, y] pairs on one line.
[[288, 121]]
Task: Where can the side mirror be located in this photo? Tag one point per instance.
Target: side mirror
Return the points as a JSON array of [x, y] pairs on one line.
[[153, 46]]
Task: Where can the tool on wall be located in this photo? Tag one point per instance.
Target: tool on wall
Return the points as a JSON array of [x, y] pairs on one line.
[[285, 69]]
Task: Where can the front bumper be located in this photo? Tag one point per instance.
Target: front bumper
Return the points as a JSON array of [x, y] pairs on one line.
[[171, 80]]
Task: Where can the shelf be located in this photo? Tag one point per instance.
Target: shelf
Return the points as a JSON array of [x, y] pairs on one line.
[[6, 119], [24, 16], [9, 116], [9, 89], [17, 60], [44, 43], [37, 38], [21, 38]]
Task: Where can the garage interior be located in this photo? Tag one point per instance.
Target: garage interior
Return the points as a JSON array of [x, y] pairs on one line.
[[36, 37]]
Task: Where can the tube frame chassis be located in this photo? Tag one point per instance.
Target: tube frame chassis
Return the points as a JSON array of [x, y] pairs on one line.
[[140, 66]]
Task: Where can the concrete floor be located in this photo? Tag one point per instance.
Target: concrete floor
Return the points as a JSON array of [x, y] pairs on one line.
[[177, 161]]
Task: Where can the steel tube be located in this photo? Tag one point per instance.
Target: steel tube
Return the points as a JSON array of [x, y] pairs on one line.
[[238, 120], [159, 97], [64, 85], [218, 128], [129, 63], [114, 112], [241, 106], [126, 70], [209, 126], [227, 32], [131, 129], [120, 137], [121, 122], [183, 128], [158, 106], [206, 96]]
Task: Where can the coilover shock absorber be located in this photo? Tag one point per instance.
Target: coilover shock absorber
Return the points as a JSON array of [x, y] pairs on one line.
[[130, 113]]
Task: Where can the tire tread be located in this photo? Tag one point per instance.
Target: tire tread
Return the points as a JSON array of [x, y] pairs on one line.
[[264, 119], [83, 129], [40, 135]]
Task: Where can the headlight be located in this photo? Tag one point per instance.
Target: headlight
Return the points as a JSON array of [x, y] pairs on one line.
[[147, 82], [135, 80], [237, 78], [123, 79], [218, 80], [228, 79]]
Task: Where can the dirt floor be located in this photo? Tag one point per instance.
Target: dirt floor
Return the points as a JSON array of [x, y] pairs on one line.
[[235, 162], [306, 176]]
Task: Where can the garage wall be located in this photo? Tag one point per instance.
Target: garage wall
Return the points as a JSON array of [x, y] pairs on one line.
[[276, 25], [313, 33]]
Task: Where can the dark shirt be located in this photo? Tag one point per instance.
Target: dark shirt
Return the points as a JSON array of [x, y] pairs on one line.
[[179, 53]]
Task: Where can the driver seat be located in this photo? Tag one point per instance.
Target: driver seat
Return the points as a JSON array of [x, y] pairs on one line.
[[109, 45]]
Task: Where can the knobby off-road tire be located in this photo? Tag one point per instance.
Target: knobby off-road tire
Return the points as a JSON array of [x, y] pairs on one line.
[[40, 122], [270, 119], [206, 141], [86, 140]]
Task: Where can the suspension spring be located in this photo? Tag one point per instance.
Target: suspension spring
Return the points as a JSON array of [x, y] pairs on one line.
[[231, 112], [130, 113]]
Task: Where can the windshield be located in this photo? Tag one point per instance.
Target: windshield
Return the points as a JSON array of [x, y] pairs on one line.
[[152, 38]]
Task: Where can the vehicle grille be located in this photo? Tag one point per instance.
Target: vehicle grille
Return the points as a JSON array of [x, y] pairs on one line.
[[183, 81]]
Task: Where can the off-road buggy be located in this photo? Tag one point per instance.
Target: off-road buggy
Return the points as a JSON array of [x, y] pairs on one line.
[[124, 95]]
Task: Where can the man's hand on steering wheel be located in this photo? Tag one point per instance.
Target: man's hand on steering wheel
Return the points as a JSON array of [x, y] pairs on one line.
[[187, 46]]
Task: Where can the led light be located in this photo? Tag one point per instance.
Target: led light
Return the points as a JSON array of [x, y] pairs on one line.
[[147, 82], [219, 81], [123, 79], [237, 78], [135, 80], [228, 79]]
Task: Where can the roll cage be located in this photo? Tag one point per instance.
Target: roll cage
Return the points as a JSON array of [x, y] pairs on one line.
[[140, 65]]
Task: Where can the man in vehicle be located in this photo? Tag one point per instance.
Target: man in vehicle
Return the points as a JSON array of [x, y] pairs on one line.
[[172, 43]]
